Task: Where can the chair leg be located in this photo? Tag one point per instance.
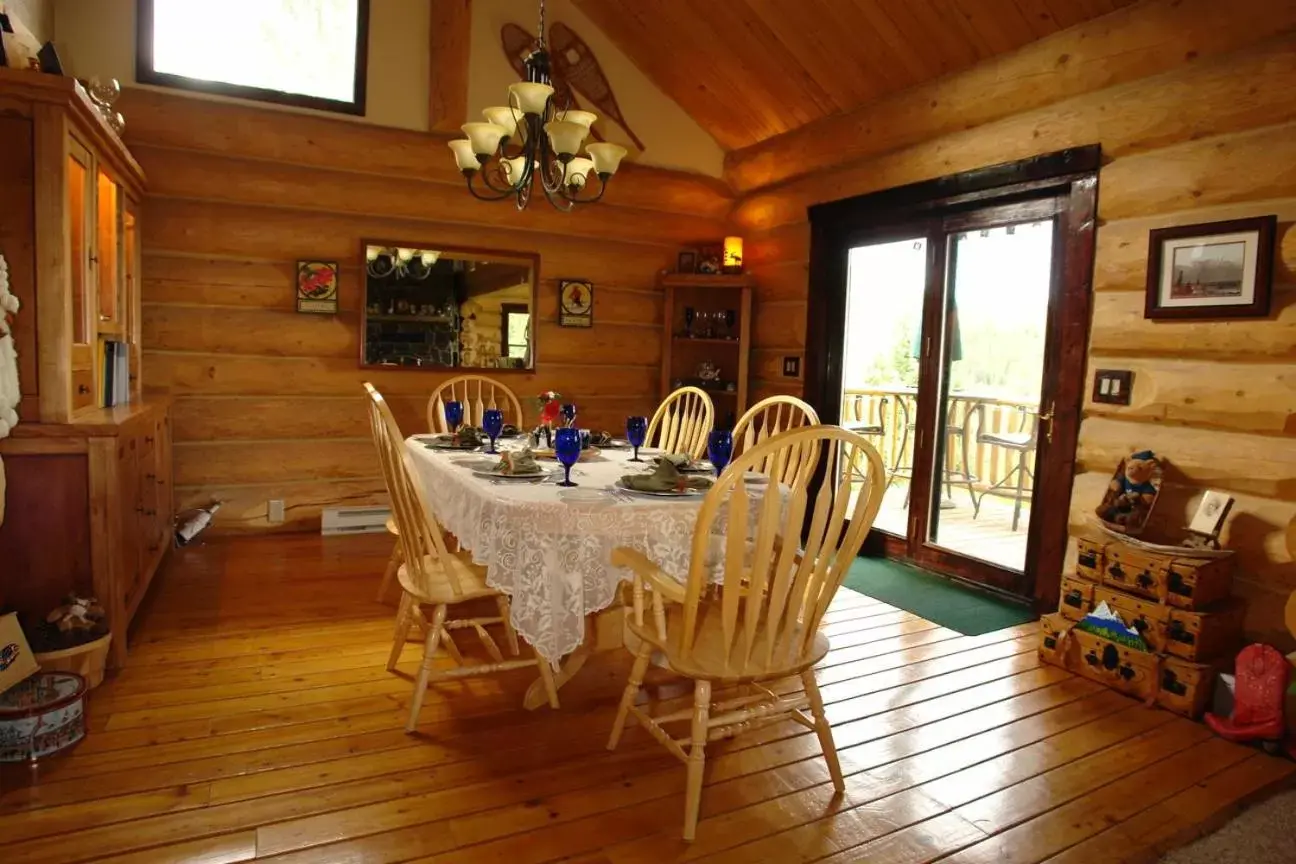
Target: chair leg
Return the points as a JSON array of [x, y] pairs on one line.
[[510, 634], [451, 648], [823, 730], [404, 617], [547, 677], [697, 757], [1021, 488], [642, 656], [393, 564], [425, 671]]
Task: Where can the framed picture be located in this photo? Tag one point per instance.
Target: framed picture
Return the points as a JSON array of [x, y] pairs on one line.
[[1210, 513], [1212, 270], [317, 287], [687, 262], [575, 303]]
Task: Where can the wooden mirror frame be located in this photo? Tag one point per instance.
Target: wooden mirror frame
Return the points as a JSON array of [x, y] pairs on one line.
[[528, 259]]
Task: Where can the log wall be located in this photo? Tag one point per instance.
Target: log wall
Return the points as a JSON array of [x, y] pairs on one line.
[[1192, 104], [268, 401]]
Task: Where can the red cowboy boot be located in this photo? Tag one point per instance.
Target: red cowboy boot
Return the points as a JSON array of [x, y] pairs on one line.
[[1258, 696]]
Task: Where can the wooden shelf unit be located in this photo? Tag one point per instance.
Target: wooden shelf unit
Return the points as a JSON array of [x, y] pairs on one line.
[[681, 354], [89, 502]]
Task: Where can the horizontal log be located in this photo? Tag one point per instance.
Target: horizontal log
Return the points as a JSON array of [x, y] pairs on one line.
[[1258, 465], [237, 463], [1256, 527], [162, 119], [1122, 246], [781, 281], [223, 282], [1132, 43], [197, 176], [1228, 396], [243, 508], [1226, 169], [767, 363], [1142, 116], [779, 325], [231, 418], [287, 333], [763, 388], [293, 417], [246, 233], [1120, 328], [185, 373]]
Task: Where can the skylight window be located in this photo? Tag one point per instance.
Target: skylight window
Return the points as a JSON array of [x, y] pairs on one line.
[[309, 53]]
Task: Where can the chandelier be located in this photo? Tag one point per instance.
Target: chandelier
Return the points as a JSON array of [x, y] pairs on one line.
[[532, 136], [406, 263]]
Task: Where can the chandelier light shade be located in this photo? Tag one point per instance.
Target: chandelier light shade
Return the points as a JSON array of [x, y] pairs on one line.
[[531, 139], [404, 263]]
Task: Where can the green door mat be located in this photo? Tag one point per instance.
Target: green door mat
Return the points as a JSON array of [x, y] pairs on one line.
[[942, 601]]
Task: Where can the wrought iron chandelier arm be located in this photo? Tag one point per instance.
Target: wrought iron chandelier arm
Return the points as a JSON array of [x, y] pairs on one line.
[[500, 195]]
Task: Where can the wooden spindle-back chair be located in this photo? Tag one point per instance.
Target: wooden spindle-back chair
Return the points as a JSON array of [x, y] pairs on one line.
[[434, 576], [768, 418], [682, 422], [476, 393], [761, 622]]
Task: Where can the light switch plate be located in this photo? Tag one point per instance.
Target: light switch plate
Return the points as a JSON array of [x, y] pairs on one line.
[[275, 511], [791, 367], [1113, 386]]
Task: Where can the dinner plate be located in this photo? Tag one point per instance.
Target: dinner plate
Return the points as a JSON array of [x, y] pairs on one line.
[[586, 454], [496, 475], [686, 493], [438, 442], [618, 444], [755, 477], [586, 495]]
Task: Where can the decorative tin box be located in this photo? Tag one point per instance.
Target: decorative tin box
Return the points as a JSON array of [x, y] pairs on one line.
[[42, 716]]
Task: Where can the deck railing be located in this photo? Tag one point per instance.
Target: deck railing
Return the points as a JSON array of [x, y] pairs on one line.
[[893, 410]]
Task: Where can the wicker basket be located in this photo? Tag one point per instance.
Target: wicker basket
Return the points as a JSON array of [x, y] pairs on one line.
[[86, 660]]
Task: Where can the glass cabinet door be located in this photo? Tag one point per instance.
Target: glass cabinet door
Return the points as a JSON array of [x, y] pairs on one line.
[[108, 217], [81, 218]]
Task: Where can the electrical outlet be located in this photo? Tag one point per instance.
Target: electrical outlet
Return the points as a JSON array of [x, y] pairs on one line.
[[1113, 386], [791, 367], [275, 511]]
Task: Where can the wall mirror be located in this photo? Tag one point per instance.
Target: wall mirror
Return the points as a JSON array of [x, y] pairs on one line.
[[437, 307]]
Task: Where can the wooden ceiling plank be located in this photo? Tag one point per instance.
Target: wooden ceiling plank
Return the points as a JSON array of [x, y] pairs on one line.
[[942, 28], [1039, 17], [845, 74], [448, 41], [850, 26], [920, 68], [1006, 19]]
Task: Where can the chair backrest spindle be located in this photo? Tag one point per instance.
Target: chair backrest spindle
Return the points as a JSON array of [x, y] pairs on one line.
[[768, 418], [682, 422], [476, 393]]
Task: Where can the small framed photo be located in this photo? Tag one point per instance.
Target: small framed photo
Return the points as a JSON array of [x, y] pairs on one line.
[[1210, 513], [317, 287], [1212, 270], [687, 263], [575, 303]]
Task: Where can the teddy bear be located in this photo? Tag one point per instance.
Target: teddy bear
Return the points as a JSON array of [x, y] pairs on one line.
[[1131, 493]]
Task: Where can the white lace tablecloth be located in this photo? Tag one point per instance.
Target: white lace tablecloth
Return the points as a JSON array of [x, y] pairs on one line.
[[551, 556]]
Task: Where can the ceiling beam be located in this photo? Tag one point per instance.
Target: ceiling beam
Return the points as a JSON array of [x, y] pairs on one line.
[[448, 40]]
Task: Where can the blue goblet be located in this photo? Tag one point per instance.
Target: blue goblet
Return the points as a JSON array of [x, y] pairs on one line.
[[568, 412], [454, 415], [636, 431], [567, 447], [493, 424], [720, 449]]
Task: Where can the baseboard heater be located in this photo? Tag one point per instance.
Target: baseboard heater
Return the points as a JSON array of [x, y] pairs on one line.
[[354, 520]]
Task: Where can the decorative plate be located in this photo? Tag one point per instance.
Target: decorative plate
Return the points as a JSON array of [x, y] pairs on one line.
[[687, 492]]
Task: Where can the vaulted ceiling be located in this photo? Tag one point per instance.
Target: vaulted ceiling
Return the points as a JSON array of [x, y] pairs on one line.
[[748, 70]]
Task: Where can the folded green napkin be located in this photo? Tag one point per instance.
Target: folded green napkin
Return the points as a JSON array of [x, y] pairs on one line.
[[468, 436], [666, 478], [518, 462]]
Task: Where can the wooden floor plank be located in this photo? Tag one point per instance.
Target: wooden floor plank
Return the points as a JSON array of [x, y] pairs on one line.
[[256, 720]]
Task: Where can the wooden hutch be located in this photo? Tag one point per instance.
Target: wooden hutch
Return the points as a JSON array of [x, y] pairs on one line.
[[89, 505], [708, 320]]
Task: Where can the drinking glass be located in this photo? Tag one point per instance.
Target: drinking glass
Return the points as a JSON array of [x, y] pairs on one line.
[[568, 412], [730, 319], [493, 424], [636, 431], [720, 448], [567, 447], [688, 321], [453, 415]]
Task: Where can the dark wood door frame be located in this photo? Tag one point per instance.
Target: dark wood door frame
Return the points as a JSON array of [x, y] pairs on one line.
[[1070, 176]]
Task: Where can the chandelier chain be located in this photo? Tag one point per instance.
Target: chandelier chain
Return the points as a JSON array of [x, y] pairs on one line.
[[540, 34]]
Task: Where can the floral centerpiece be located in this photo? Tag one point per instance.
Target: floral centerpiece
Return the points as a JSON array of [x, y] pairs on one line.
[[550, 404]]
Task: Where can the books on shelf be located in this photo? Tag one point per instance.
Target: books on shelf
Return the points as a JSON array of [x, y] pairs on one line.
[[114, 373]]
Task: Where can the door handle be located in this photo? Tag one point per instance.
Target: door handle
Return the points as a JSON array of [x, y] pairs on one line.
[[1047, 417]]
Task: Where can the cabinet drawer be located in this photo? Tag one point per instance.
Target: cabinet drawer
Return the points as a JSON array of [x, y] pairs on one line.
[[83, 389]]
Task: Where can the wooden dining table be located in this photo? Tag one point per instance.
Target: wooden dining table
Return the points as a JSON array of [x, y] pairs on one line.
[[549, 548]]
